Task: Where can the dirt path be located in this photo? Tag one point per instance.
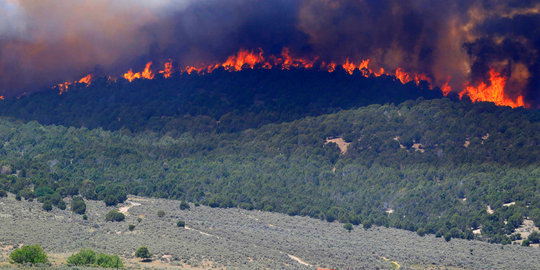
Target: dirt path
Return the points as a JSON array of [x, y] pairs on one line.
[[201, 232], [124, 209], [396, 264], [299, 260]]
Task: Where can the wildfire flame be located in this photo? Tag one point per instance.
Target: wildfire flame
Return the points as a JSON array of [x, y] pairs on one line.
[[168, 69], [146, 73], [492, 91], [63, 87]]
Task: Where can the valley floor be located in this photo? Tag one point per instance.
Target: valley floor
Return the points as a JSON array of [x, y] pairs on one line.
[[240, 239]]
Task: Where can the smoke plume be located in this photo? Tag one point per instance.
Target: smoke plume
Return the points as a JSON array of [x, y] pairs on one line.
[[456, 42]]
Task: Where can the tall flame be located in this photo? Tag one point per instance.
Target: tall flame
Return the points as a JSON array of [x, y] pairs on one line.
[[494, 92], [146, 73]]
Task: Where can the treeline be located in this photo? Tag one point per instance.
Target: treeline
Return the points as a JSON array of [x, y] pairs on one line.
[[218, 102], [432, 166]]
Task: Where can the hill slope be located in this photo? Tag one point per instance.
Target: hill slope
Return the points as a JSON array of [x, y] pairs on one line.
[[427, 165], [240, 239], [221, 101]]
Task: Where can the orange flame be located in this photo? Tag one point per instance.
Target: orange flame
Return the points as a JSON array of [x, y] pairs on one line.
[[146, 73], [63, 87], [168, 70], [492, 93]]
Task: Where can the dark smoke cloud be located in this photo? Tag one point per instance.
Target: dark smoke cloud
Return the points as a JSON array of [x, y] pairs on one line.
[[48, 41]]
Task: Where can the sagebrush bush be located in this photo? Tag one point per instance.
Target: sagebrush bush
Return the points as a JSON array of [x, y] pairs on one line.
[[47, 206], [143, 253], [114, 215], [160, 213], [32, 254], [181, 223], [184, 205], [108, 261], [84, 257], [78, 205], [88, 257]]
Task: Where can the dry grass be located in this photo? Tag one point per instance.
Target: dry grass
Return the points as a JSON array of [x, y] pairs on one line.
[[240, 239]]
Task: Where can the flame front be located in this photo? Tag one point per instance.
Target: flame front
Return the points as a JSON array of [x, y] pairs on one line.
[[492, 91]]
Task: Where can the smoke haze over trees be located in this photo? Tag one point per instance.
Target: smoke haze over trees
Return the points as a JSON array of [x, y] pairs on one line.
[[46, 42]]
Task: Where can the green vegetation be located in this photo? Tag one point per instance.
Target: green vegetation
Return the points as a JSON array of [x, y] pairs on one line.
[[348, 227], [32, 254], [114, 215], [181, 223], [3, 193], [436, 164], [131, 227], [78, 205], [85, 257], [88, 257], [218, 102], [160, 213], [184, 205], [534, 237], [143, 253], [108, 261], [47, 206]]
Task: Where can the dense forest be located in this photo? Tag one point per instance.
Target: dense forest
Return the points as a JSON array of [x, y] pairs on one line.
[[221, 101], [426, 165]]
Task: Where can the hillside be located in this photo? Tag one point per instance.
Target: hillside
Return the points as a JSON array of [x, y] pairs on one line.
[[222, 101], [433, 166], [234, 238]]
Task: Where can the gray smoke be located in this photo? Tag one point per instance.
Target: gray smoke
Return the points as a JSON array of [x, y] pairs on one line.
[[49, 41]]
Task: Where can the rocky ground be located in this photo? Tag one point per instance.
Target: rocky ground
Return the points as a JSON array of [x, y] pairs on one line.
[[240, 239]]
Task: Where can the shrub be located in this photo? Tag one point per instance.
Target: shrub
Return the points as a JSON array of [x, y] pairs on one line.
[[139, 219], [108, 261], [348, 227], [184, 205], [47, 206], [61, 205], [160, 213], [421, 231], [32, 254], [82, 258], [526, 243], [447, 236], [78, 205], [85, 217], [88, 257], [114, 215], [181, 223], [367, 224], [534, 237], [143, 253], [3, 193], [131, 227]]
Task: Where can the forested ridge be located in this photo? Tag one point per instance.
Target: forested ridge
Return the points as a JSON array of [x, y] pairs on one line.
[[426, 165], [221, 101]]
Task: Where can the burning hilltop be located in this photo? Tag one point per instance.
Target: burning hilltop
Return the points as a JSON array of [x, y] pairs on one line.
[[492, 90]]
